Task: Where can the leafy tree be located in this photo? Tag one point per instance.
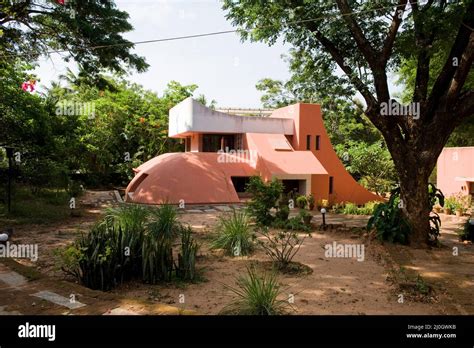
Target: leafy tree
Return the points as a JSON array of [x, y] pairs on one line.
[[373, 164], [367, 41], [89, 32]]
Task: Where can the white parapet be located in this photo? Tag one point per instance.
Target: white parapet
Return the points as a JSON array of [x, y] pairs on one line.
[[191, 116]]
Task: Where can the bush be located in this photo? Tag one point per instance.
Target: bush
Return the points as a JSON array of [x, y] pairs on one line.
[[467, 233], [389, 222], [132, 219], [186, 268], [311, 201], [281, 246], [234, 234], [94, 258], [349, 208], [301, 202], [264, 198], [157, 250], [257, 295], [282, 213]]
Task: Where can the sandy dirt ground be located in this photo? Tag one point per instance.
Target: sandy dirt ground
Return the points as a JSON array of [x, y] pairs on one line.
[[335, 285]]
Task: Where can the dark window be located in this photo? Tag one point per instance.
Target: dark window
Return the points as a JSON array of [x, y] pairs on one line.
[[240, 183], [308, 142], [188, 144], [216, 142], [331, 184], [317, 142]]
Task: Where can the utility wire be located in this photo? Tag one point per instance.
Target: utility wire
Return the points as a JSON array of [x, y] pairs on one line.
[[185, 37]]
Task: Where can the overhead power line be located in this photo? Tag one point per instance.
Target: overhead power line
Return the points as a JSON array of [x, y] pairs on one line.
[[215, 33]]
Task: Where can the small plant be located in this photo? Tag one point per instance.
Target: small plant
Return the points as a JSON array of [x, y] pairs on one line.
[[234, 234], [186, 267], [282, 213], [157, 250], [311, 201], [94, 258], [264, 198], [301, 202], [389, 222], [467, 233], [257, 294], [281, 246], [305, 217], [132, 219]]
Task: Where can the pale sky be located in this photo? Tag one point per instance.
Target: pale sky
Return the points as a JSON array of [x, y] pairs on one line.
[[224, 68]]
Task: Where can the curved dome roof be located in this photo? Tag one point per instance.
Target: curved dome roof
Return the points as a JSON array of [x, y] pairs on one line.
[[194, 177]]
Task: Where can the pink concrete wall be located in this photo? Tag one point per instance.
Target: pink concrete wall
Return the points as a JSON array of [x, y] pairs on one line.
[[455, 162], [309, 121]]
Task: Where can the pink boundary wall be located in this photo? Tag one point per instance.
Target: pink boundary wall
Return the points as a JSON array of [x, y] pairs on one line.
[[455, 171]]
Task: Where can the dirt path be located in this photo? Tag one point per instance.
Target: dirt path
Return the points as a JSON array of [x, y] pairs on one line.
[[335, 286]]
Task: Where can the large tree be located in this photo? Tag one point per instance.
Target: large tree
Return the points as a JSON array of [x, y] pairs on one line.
[[89, 32], [367, 40]]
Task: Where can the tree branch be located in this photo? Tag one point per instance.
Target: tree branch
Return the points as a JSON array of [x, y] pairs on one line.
[[460, 46], [392, 32], [364, 45]]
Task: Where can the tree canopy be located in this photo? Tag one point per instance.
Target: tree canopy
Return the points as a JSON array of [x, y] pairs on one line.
[[368, 40]]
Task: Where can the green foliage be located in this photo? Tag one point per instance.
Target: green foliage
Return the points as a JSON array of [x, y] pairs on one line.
[[389, 221], [30, 206], [157, 250], [467, 232], [132, 242], [234, 234], [282, 213], [301, 202], [95, 258], [311, 201], [131, 219], [353, 209], [186, 268], [281, 246], [372, 164], [452, 204], [257, 294], [264, 198], [73, 29]]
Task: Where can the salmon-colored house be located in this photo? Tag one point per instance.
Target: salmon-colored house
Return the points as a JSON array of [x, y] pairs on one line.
[[223, 151], [455, 171]]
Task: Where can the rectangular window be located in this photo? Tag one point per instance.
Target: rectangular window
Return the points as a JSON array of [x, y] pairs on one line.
[[188, 144], [317, 142], [308, 142], [331, 184]]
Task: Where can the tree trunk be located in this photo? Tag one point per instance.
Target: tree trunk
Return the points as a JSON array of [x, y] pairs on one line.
[[415, 204]]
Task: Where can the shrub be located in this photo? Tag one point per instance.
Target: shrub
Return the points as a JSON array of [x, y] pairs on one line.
[[234, 234], [281, 246], [132, 219], [350, 208], [467, 233], [389, 222], [186, 268], [157, 250], [264, 198], [257, 295], [311, 201], [452, 204], [94, 258], [301, 202], [282, 213]]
